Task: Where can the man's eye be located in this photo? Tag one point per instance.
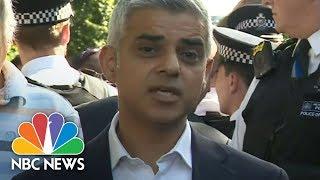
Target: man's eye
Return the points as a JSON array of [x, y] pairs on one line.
[[147, 51], [190, 56]]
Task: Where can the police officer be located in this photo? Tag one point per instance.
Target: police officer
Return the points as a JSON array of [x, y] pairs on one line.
[[253, 19], [233, 76], [288, 96], [42, 42]]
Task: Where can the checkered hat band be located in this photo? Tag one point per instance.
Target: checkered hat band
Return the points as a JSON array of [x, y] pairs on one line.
[[45, 16], [234, 55], [254, 23]]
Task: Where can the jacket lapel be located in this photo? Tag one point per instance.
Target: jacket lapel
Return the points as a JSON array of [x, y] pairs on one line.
[[208, 159], [99, 162]]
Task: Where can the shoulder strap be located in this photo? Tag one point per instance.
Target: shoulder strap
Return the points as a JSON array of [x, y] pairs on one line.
[[76, 94]]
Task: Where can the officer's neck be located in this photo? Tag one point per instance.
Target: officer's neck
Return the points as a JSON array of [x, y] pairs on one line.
[[27, 53], [237, 98]]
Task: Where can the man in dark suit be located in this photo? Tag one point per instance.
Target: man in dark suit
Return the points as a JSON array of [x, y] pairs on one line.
[[157, 53]]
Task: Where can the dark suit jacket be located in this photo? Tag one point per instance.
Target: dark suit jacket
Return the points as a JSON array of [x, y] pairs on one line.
[[210, 160]]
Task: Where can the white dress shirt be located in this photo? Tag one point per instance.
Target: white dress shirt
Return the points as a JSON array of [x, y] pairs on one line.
[[174, 165], [51, 70], [314, 53]]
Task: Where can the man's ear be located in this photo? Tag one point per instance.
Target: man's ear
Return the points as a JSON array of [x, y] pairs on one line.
[[207, 79], [65, 35], [233, 81], [108, 62]]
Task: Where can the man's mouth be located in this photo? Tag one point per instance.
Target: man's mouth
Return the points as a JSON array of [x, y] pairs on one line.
[[166, 93]]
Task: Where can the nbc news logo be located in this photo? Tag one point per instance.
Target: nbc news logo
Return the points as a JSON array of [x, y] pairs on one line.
[[48, 137]]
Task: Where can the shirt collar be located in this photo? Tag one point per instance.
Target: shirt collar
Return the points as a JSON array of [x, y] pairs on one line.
[[51, 70], [45, 62], [314, 41], [117, 151], [15, 82], [235, 115], [183, 145]]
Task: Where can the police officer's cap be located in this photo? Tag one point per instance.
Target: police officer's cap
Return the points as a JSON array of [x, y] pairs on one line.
[[38, 12], [253, 19], [235, 46]]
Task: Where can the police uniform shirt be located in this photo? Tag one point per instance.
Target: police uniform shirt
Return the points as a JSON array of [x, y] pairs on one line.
[[314, 52], [240, 125], [51, 70]]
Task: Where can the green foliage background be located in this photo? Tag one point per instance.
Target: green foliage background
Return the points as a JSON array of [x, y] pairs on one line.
[[89, 26]]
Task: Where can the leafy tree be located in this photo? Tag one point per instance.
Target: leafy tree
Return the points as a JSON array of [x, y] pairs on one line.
[[90, 24]]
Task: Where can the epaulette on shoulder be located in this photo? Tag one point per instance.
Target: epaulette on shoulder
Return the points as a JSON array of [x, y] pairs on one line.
[[263, 59], [287, 44]]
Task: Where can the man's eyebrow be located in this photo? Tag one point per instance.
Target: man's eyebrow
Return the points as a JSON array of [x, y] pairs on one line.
[[193, 41], [150, 37]]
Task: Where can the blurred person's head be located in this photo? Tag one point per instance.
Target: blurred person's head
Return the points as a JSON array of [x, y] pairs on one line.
[[157, 55], [233, 69], [88, 59], [44, 27], [6, 28], [297, 18]]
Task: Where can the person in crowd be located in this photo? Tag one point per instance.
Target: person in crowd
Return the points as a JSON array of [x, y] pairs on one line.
[[42, 40], [288, 95], [20, 101], [88, 62], [253, 19], [169, 41], [233, 74], [208, 110]]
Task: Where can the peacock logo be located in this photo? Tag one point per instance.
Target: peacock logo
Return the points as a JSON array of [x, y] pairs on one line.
[[48, 136]]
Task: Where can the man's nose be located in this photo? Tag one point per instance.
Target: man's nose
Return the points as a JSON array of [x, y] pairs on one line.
[[170, 65]]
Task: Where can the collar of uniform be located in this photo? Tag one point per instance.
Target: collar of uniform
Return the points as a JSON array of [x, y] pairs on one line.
[[314, 41], [117, 151], [15, 82], [54, 62], [234, 115]]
